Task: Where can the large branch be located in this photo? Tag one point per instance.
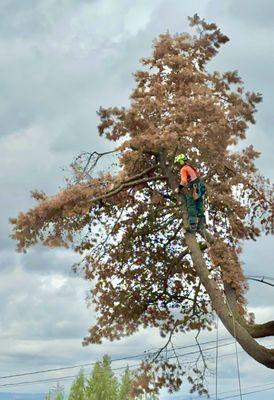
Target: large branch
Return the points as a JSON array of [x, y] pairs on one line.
[[127, 185], [220, 305], [255, 330], [261, 330], [130, 182], [225, 312]]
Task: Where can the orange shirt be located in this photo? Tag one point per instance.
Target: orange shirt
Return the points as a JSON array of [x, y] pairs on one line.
[[188, 174]]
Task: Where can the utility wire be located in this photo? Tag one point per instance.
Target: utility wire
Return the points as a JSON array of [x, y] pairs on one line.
[[114, 369], [262, 386], [246, 393], [230, 396], [144, 354], [38, 381], [260, 279], [61, 378], [69, 377], [270, 278]]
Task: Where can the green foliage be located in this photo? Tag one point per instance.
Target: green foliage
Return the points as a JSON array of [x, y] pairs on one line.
[[78, 389], [102, 385], [124, 389]]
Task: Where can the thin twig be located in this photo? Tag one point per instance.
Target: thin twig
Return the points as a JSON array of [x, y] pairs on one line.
[[175, 354], [200, 349], [168, 341], [99, 156]]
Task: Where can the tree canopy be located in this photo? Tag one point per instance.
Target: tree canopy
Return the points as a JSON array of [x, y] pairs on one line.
[[103, 385], [78, 388], [130, 225]]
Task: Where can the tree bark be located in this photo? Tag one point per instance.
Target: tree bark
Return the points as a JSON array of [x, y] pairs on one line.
[[255, 330]]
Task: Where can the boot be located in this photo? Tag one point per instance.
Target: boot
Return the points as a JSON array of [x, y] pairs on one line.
[[201, 223], [192, 228]]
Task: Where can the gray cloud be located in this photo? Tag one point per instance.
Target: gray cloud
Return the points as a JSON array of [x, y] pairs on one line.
[[49, 261], [251, 15], [251, 52]]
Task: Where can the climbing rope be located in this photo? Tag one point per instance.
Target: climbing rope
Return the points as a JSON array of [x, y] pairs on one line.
[[217, 355], [236, 348], [237, 360]]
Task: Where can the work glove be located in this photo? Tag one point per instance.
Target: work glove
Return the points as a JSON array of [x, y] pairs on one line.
[[101, 203], [179, 188]]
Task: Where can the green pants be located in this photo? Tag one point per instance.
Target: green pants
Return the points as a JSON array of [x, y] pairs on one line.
[[195, 208]]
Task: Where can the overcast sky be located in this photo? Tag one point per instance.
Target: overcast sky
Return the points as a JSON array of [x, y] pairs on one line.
[[60, 60]]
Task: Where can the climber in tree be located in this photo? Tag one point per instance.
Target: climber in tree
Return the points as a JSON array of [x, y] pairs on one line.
[[194, 195]]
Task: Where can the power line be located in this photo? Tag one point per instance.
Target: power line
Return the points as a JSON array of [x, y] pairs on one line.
[[246, 393], [38, 381], [114, 369], [67, 367], [11, 384], [59, 378], [231, 396], [252, 277], [69, 377], [144, 354], [263, 386], [260, 279], [270, 278]]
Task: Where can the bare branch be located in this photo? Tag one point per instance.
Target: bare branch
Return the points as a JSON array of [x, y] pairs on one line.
[[229, 168], [127, 185], [200, 349], [95, 162], [179, 322]]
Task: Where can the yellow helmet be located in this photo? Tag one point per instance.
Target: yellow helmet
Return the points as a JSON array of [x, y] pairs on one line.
[[180, 159]]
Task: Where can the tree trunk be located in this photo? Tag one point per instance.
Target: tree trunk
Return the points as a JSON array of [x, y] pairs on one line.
[[224, 307]]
